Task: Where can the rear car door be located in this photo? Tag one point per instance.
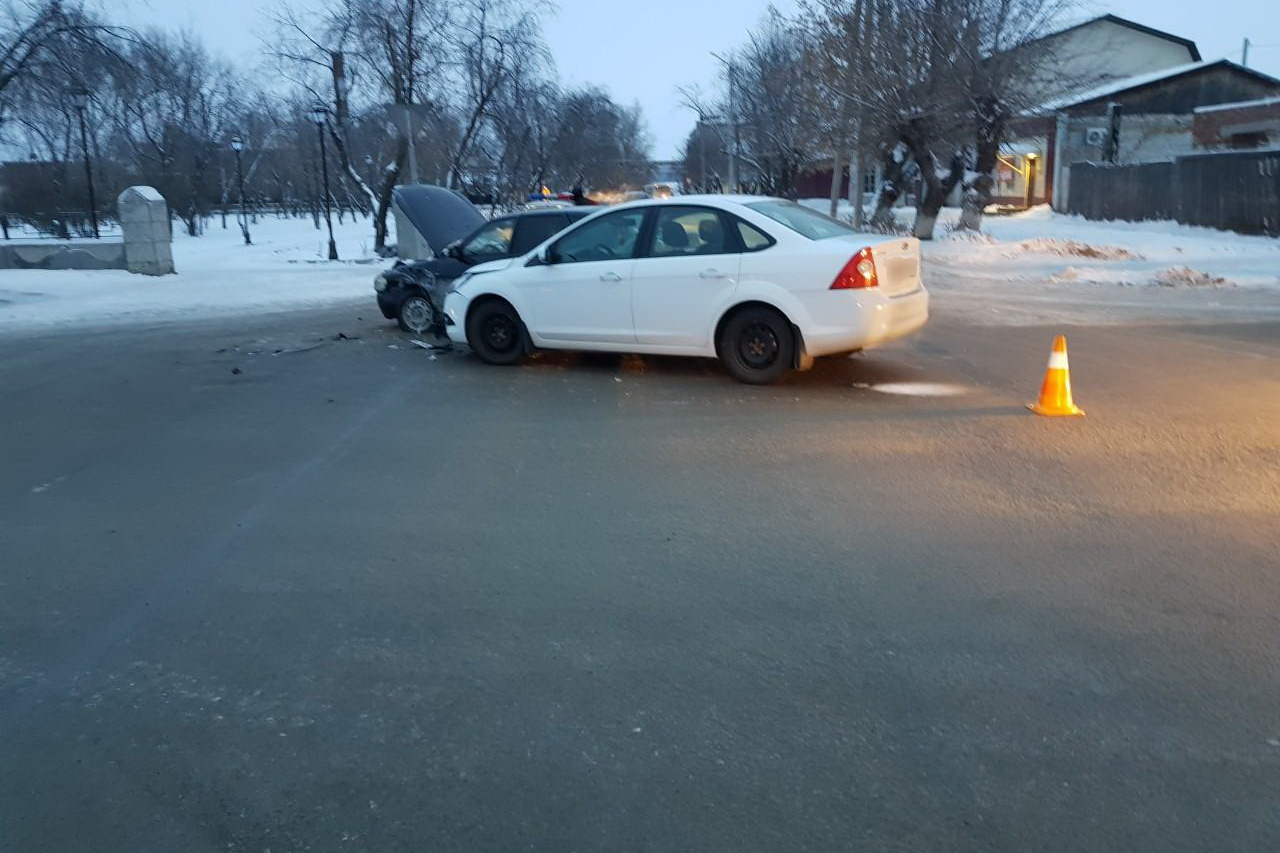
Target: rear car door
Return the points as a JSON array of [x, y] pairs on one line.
[[584, 294], [536, 229], [684, 276]]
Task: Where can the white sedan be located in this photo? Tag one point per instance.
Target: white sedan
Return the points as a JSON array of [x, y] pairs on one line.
[[763, 284]]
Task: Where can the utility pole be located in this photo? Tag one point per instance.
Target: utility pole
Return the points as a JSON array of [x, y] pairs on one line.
[[413, 151], [702, 154], [734, 144], [1111, 150], [1244, 54]]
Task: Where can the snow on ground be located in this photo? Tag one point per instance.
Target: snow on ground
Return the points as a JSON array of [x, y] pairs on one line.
[[218, 275], [1039, 266]]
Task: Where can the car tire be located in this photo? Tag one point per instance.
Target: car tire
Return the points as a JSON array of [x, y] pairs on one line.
[[756, 345], [496, 333], [417, 313]]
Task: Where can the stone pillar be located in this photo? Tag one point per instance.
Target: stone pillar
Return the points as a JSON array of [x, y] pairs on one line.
[[148, 240]]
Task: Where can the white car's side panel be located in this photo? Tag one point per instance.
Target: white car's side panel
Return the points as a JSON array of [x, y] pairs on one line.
[[588, 302], [676, 301], [672, 305]]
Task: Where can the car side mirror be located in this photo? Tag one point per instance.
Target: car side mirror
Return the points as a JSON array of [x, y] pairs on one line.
[[546, 257]]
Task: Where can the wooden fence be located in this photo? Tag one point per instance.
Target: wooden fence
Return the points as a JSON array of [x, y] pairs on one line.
[[1237, 191]]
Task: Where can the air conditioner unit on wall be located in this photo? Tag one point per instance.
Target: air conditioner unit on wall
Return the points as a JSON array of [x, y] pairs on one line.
[[1095, 136]]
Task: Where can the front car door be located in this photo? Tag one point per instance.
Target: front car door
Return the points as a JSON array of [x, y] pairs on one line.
[[685, 276], [583, 294]]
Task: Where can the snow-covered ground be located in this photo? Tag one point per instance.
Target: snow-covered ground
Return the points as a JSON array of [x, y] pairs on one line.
[[1040, 267], [218, 275], [1027, 268]]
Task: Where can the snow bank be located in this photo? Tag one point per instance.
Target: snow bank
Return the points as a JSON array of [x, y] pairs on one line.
[[218, 275], [1040, 267]]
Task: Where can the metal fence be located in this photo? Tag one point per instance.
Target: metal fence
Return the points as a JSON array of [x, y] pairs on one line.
[[1237, 191]]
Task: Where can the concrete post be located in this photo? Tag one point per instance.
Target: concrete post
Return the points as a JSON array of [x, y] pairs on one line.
[[148, 240]]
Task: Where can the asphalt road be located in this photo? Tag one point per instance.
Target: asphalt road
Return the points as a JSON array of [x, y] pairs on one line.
[[348, 597]]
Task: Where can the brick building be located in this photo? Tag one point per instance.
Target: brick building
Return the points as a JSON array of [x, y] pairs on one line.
[[1239, 126]]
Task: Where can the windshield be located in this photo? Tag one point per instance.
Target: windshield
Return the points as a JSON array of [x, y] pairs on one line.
[[800, 219]]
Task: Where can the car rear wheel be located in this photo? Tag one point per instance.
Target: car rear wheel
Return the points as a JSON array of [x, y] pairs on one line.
[[756, 345], [495, 333], [417, 313]]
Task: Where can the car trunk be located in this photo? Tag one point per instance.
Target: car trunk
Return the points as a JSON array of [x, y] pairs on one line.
[[897, 265]]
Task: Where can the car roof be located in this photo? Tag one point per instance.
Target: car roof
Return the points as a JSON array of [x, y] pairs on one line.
[[549, 211], [708, 199]]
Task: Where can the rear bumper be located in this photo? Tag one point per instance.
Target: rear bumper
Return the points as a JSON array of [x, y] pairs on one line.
[[843, 320]]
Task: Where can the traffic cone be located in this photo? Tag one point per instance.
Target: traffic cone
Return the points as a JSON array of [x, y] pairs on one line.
[[1055, 394]]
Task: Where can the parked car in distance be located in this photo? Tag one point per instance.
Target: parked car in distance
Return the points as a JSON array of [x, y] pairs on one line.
[[412, 292], [762, 284]]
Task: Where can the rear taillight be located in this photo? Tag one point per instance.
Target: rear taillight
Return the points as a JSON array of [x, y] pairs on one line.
[[859, 273]]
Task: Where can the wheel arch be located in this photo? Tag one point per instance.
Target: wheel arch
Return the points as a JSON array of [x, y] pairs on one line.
[[801, 360], [488, 297]]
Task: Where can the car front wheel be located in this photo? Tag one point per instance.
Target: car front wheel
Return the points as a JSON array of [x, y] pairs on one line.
[[495, 333], [756, 345], [417, 313]]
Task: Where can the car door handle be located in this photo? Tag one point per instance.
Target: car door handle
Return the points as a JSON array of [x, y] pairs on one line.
[[610, 276], [713, 273]]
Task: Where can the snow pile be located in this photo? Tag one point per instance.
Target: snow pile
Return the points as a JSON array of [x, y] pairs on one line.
[[1064, 248], [1115, 272], [1028, 247], [1187, 277], [956, 235], [285, 268]]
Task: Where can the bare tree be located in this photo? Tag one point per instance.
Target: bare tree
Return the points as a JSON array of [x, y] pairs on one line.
[[497, 40]]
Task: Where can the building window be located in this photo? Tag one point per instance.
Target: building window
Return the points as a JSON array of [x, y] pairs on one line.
[[1257, 139]]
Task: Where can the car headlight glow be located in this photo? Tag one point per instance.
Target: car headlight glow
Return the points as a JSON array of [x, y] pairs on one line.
[[380, 283]]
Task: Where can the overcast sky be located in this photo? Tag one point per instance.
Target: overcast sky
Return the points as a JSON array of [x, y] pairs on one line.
[[643, 51]]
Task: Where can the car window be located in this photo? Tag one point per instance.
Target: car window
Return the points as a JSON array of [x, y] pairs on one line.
[[800, 219], [681, 231], [611, 236], [753, 239], [532, 230], [491, 242]]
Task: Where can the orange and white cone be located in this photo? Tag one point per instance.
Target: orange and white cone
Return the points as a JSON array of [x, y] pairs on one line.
[[1055, 395]]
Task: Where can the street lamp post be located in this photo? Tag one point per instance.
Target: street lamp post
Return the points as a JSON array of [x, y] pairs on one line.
[[80, 100], [237, 145], [319, 113]]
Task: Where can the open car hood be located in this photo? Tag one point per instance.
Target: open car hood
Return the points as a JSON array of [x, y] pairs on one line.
[[440, 215]]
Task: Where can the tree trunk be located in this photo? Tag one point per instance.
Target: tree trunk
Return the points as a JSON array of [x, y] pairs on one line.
[[893, 160], [855, 189], [837, 169], [935, 187], [936, 190], [978, 184], [389, 180]]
